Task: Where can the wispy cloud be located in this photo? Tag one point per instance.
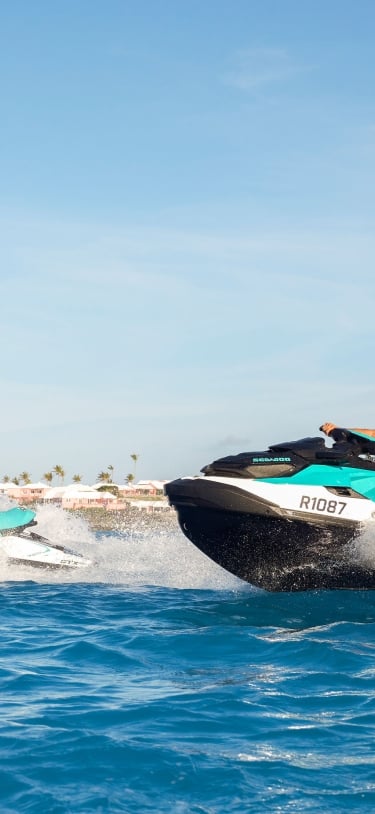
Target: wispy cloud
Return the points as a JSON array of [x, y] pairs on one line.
[[257, 67]]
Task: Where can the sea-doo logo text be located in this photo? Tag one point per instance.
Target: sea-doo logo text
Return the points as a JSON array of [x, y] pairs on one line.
[[320, 504], [270, 460]]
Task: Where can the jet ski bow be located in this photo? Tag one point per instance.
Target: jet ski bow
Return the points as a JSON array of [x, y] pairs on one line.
[[285, 519], [26, 547]]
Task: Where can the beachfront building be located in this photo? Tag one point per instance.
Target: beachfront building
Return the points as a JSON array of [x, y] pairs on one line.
[[28, 493], [77, 496], [149, 487]]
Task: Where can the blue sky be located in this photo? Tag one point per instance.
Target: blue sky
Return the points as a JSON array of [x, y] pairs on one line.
[[187, 229]]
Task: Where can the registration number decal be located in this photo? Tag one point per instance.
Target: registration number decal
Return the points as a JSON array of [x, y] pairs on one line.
[[320, 504]]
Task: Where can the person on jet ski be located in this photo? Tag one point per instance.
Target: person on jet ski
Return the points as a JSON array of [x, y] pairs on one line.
[[349, 443]]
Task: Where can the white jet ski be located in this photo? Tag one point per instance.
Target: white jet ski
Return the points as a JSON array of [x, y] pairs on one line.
[[26, 547]]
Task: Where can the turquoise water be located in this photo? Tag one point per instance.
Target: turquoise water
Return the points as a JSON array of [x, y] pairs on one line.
[[158, 683]]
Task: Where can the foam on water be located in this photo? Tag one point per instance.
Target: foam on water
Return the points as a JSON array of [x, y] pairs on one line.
[[138, 555]]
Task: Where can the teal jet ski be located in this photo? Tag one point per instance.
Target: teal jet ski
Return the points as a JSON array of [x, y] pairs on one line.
[[288, 518], [20, 544]]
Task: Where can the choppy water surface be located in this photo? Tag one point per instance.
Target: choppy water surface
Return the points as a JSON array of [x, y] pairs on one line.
[[156, 682]]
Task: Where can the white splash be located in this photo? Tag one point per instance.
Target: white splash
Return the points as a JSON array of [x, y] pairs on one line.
[[363, 548], [141, 555]]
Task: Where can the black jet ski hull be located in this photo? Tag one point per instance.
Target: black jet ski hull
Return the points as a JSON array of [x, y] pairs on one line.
[[257, 541], [274, 553]]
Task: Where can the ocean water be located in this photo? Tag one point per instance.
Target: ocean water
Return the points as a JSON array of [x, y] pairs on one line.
[[156, 682]]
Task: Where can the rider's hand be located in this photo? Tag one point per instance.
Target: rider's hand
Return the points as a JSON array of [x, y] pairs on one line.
[[327, 428]]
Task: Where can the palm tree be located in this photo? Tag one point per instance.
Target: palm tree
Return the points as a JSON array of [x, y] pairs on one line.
[[110, 487], [60, 472], [25, 477], [134, 458], [16, 480], [48, 476], [77, 478], [129, 477], [6, 479], [111, 470], [104, 477]]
